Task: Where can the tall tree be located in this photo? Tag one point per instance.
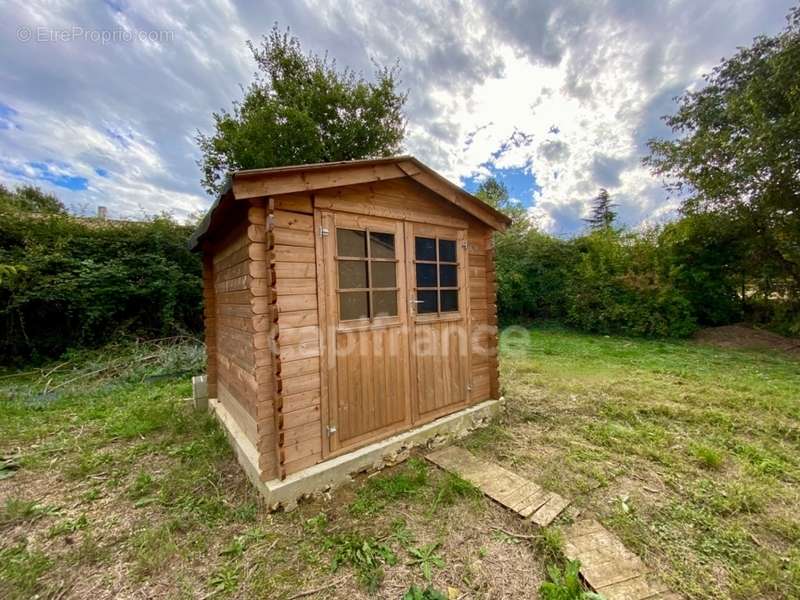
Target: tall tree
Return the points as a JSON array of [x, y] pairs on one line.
[[737, 155], [496, 195], [301, 108], [603, 213]]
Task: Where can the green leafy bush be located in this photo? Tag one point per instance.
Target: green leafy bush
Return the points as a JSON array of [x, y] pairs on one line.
[[533, 272], [83, 282], [565, 585], [621, 285]]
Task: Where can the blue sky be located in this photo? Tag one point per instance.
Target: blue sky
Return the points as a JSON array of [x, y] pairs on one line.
[[554, 97], [520, 182]]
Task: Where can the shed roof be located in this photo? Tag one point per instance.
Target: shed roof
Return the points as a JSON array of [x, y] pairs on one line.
[[254, 183]]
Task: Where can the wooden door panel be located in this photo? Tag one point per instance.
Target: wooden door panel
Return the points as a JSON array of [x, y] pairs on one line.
[[366, 359], [442, 377], [440, 359], [370, 383]]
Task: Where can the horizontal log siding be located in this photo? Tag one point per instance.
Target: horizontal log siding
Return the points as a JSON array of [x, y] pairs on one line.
[[241, 364], [235, 360], [300, 432], [210, 324], [261, 325], [491, 308]]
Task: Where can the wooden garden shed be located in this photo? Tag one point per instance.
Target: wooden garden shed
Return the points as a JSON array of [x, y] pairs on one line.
[[345, 304]]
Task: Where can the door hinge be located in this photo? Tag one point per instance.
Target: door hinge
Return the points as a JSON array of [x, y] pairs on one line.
[[323, 231], [330, 429]]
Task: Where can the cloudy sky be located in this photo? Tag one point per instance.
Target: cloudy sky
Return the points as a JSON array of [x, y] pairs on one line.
[[100, 101]]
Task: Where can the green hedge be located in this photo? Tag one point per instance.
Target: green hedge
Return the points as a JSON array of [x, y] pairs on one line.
[[83, 282], [658, 283]]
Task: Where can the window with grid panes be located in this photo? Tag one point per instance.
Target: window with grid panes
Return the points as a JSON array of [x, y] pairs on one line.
[[437, 275], [367, 268]]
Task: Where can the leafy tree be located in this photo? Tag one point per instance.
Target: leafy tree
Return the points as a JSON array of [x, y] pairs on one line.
[[603, 214], [28, 198], [301, 108], [737, 156], [495, 194], [704, 254], [9, 271], [621, 283]]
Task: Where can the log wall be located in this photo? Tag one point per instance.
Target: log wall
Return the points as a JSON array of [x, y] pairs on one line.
[[240, 362], [294, 265]]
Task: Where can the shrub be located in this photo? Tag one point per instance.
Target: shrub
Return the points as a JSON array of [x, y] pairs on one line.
[[619, 285], [565, 585], [83, 282]]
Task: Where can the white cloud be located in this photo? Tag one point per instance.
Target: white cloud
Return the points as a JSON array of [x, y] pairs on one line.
[[563, 89]]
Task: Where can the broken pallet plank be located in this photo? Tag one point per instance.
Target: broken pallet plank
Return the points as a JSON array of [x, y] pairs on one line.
[[524, 497], [609, 567]]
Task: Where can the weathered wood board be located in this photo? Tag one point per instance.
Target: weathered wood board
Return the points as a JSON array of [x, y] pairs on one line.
[[509, 489], [608, 567]]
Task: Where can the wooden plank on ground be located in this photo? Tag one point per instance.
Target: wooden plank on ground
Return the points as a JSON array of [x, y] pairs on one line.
[[509, 489], [608, 567]]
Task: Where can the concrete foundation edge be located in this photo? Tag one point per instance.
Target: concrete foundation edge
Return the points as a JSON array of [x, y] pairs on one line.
[[336, 471]]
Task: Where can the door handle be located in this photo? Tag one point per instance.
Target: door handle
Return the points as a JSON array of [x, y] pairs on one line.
[[417, 301]]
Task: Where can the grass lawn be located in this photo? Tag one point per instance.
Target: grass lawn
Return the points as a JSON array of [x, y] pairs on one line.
[[689, 453]]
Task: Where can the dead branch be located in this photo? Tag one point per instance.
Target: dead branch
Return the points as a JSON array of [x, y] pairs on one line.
[[319, 589], [516, 535]]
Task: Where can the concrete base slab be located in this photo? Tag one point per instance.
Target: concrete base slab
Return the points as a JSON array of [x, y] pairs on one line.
[[336, 471]]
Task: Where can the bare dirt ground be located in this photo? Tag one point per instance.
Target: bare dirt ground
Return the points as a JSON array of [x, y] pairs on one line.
[[745, 337]]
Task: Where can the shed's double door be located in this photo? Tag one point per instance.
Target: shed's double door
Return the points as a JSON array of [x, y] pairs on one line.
[[394, 304]]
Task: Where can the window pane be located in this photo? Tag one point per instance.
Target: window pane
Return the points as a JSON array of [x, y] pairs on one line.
[[426, 275], [351, 243], [383, 274], [429, 301], [384, 304], [449, 300], [353, 305], [447, 276], [352, 274], [381, 245], [425, 248], [447, 250]]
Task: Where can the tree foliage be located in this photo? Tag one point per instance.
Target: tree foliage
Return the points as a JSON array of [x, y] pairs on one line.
[[82, 282], [495, 194], [30, 199], [603, 214], [736, 156], [623, 283], [301, 108]]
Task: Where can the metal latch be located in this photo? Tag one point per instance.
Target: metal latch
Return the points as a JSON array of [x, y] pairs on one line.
[[331, 429], [323, 231]]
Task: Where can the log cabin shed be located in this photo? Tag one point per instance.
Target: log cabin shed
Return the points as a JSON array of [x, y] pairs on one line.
[[349, 312]]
